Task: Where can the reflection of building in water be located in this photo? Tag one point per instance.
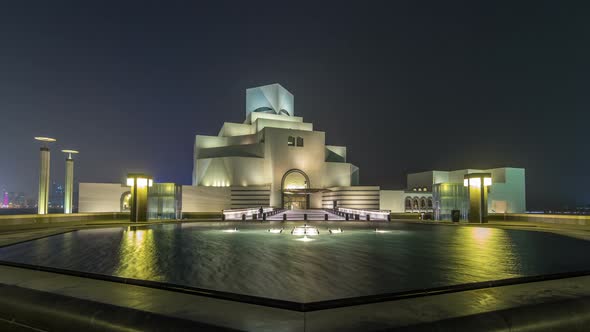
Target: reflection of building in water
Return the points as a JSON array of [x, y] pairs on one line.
[[274, 158]]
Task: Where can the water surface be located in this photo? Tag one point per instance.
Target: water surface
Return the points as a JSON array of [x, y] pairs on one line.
[[357, 262]]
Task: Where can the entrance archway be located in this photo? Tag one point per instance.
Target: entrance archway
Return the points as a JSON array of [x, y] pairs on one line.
[[126, 201], [294, 186]]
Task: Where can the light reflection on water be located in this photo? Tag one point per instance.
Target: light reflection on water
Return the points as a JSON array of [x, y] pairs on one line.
[[358, 261]]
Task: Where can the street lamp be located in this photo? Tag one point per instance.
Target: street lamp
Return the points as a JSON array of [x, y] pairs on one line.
[[43, 197], [69, 192]]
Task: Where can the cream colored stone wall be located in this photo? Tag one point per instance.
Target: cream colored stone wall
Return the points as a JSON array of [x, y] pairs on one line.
[[205, 199], [100, 197]]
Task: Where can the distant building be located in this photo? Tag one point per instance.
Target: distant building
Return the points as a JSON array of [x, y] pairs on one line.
[[56, 196]]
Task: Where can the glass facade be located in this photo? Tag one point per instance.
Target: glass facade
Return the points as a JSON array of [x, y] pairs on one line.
[[164, 201], [448, 197]]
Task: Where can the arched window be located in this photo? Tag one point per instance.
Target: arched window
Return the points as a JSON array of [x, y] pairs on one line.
[[423, 203], [430, 202], [299, 141], [408, 203], [415, 203], [291, 141]]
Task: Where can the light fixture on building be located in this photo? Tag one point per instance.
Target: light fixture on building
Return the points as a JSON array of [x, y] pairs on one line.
[[478, 186], [139, 184]]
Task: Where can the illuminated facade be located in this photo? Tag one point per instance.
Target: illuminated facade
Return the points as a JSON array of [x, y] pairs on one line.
[[506, 191], [273, 157]]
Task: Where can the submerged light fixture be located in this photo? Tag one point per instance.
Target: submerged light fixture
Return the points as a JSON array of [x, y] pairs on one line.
[[275, 230], [335, 231], [231, 230], [377, 230], [305, 230], [305, 239]]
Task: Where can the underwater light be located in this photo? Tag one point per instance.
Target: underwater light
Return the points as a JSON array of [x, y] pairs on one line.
[[377, 230], [305, 230], [335, 231], [275, 230], [232, 230], [304, 239]]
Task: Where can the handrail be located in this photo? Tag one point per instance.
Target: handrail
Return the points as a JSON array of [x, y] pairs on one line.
[[309, 306]]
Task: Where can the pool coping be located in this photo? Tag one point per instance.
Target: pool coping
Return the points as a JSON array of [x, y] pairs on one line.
[[302, 306], [97, 305]]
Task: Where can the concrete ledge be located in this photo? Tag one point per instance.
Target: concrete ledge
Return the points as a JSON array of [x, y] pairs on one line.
[[583, 220], [21, 307], [569, 315], [58, 218], [55, 301], [202, 215]]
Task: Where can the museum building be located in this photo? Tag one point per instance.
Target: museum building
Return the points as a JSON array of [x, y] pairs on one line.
[[275, 159]]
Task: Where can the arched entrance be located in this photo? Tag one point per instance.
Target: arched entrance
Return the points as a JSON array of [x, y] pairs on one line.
[[126, 201], [294, 186]]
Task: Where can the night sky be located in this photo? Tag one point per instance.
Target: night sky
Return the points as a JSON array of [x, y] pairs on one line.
[[407, 87]]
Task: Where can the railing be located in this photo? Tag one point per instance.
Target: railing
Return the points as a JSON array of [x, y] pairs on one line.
[[364, 214], [249, 213]]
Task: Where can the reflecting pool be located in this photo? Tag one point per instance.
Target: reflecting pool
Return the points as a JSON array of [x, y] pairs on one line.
[[248, 259]]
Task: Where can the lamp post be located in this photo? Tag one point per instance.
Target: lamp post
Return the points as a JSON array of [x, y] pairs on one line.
[[139, 184], [478, 185], [69, 192], [43, 196]]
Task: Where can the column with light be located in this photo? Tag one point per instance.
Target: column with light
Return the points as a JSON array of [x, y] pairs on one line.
[[43, 197], [69, 183], [139, 184], [478, 186]]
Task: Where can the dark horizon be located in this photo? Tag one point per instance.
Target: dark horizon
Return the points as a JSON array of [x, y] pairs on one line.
[[407, 87]]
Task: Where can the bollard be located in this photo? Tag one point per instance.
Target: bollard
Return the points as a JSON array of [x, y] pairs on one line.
[[347, 217], [305, 216], [357, 217], [325, 216], [285, 216], [222, 217], [368, 217], [389, 217], [264, 216], [243, 216], [254, 216]]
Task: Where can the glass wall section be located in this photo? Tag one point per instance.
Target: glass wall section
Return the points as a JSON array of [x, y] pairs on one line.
[[164, 201], [448, 197]]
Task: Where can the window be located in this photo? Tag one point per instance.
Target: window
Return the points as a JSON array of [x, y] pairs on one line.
[[299, 141], [291, 141]]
